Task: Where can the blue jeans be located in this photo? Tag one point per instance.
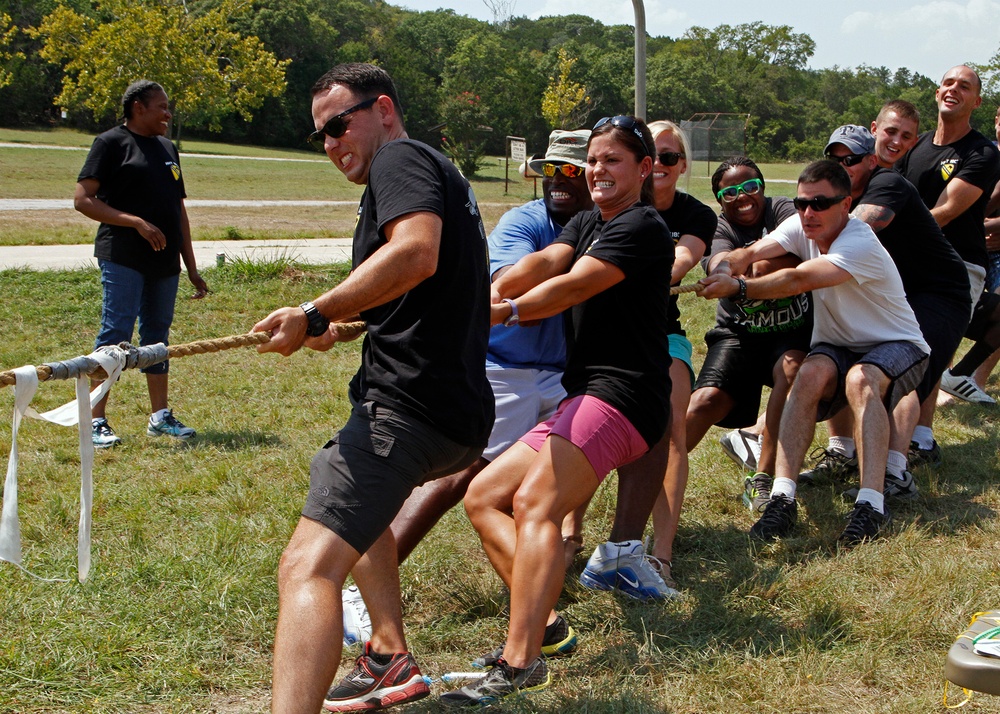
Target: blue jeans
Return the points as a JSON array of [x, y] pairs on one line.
[[129, 294]]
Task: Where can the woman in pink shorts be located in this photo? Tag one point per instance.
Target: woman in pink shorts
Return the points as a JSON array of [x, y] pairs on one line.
[[607, 273]]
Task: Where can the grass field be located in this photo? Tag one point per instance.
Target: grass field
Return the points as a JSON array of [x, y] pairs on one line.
[[179, 611]]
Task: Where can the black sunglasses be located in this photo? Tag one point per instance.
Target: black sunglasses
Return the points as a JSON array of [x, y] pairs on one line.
[[336, 126], [670, 158], [626, 123], [849, 160], [819, 203]]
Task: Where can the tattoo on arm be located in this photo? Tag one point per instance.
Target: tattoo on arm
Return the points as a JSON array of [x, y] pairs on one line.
[[878, 217]]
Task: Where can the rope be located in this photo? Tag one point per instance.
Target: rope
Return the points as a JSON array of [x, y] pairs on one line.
[[141, 357], [689, 288]]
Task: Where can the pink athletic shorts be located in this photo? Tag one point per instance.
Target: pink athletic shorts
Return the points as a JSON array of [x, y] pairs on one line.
[[605, 436]]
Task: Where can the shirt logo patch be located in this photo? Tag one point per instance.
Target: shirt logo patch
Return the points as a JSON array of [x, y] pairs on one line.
[[948, 167], [174, 169]]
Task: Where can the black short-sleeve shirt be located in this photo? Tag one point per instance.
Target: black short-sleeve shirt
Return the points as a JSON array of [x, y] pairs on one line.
[[926, 261], [760, 317], [687, 216], [930, 167], [425, 351], [617, 341], [140, 175]]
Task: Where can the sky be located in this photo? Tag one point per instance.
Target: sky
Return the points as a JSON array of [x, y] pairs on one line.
[[928, 36]]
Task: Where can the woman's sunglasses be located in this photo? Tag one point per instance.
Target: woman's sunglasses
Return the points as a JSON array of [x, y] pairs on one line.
[[670, 158], [336, 126], [626, 123], [750, 187]]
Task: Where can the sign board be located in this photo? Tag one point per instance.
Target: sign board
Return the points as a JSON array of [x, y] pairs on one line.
[[517, 150]]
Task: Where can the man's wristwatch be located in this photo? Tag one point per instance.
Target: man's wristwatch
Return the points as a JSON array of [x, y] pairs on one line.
[[513, 319], [317, 323]]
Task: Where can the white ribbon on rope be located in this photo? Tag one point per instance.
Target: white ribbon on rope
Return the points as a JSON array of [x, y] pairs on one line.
[[77, 412]]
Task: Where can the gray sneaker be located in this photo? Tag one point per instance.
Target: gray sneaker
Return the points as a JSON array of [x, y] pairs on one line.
[[103, 435], [500, 682], [829, 466], [757, 491], [895, 489], [170, 426]]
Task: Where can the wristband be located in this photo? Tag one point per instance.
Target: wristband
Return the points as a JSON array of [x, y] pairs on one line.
[[741, 293], [513, 319]]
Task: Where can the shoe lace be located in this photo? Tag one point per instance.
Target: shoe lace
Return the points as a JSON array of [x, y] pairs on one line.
[[170, 420], [776, 513], [862, 521]]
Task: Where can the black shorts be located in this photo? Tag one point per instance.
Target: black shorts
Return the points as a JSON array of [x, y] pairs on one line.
[[360, 479], [942, 323], [902, 362], [740, 365]]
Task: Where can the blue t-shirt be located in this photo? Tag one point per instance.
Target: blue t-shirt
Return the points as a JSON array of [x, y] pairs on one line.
[[523, 230]]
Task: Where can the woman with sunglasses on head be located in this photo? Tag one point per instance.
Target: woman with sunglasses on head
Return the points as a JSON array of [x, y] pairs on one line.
[[606, 270], [754, 343], [661, 475]]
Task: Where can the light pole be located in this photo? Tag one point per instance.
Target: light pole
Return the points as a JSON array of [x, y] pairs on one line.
[[640, 59]]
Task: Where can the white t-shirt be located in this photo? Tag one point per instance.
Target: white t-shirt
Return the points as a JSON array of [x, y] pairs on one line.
[[865, 311]]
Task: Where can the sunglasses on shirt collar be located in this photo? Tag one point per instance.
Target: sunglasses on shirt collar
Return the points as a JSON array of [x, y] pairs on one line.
[[335, 126]]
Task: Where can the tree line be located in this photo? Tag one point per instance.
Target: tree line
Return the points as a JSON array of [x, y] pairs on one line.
[[241, 70]]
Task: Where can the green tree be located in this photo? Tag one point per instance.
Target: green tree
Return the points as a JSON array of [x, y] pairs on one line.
[[465, 125], [207, 68], [7, 33], [564, 102]]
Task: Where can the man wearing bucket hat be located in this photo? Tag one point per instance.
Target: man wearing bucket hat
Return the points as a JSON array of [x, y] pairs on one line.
[[524, 365], [934, 278]]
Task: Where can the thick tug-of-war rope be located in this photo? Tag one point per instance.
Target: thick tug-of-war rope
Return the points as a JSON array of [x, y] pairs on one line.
[[140, 357]]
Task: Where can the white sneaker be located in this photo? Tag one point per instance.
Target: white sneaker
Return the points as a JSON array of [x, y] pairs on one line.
[[357, 623], [625, 566], [742, 447], [964, 388]]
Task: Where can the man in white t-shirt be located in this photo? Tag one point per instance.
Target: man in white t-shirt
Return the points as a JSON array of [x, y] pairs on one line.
[[866, 351]]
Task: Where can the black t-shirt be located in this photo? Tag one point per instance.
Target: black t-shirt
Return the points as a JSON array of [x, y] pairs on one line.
[[930, 167], [926, 261], [759, 317], [617, 347], [425, 351], [140, 175], [687, 216]]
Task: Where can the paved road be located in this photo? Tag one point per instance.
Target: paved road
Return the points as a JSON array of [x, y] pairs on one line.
[[68, 257]]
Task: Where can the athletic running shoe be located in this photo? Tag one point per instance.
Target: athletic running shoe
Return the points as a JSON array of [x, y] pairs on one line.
[[757, 491], [373, 686], [829, 466], [963, 387], [357, 622], [924, 457], [777, 520], [864, 523], [895, 489], [625, 566], [103, 435], [559, 640], [501, 681], [742, 447], [170, 426]]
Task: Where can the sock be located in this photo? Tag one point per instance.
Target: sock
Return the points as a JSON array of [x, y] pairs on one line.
[[783, 487], [159, 416], [381, 659], [923, 436], [842, 445], [876, 499], [895, 464]]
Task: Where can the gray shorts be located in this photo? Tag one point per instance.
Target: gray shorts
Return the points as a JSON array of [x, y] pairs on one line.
[[359, 480], [902, 362]]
